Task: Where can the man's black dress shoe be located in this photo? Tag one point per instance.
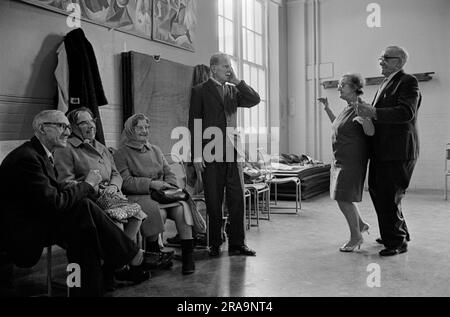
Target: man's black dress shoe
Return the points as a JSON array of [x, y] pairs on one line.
[[240, 250], [214, 251], [394, 251], [380, 241], [135, 274]]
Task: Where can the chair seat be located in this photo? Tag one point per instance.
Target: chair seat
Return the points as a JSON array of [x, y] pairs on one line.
[[257, 186], [284, 180]]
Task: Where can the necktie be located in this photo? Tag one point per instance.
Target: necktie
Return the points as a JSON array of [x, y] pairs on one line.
[[50, 158]]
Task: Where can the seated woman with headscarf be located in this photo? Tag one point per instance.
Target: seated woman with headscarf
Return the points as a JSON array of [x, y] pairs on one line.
[[143, 169], [82, 154]]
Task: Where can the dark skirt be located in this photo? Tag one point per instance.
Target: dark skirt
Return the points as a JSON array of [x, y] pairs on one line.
[[347, 181]]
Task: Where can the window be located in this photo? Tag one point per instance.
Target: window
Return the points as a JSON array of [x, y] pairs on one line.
[[242, 34]]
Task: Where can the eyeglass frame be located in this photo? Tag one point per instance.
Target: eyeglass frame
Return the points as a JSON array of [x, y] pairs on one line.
[[60, 125], [386, 58]]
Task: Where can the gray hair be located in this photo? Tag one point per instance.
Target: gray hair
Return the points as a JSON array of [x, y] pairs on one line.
[[402, 53], [73, 115], [44, 116], [357, 81], [215, 59]]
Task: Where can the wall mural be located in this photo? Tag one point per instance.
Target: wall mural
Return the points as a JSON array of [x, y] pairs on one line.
[[131, 16], [174, 22]]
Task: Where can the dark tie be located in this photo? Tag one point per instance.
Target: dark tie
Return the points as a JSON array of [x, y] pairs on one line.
[[50, 158]]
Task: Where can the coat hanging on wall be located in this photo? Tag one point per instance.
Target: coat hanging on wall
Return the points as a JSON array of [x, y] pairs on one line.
[[78, 77]]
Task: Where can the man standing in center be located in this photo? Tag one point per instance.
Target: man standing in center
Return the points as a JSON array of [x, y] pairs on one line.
[[214, 105]]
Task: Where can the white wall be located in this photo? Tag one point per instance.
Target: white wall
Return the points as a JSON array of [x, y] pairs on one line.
[[30, 36], [422, 27]]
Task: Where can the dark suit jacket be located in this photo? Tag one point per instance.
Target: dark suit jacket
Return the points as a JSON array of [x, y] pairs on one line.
[[208, 105], [396, 135], [31, 201]]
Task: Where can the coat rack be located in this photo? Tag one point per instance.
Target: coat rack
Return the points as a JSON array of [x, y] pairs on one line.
[[377, 80]]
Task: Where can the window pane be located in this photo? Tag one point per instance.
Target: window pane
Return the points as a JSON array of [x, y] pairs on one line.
[[235, 67], [262, 117], [221, 35], [244, 44], [246, 119], [254, 119], [250, 14], [244, 13], [246, 73], [258, 17], [258, 50], [254, 78], [251, 46], [229, 38], [262, 84], [220, 7], [228, 9]]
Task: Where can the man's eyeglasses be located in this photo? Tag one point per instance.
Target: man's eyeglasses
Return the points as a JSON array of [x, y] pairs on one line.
[[342, 85], [386, 58], [60, 125], [87, 122]]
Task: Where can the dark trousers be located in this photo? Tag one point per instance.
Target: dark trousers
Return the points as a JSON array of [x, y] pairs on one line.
[[388, 182], [90, 238], [217, 177]]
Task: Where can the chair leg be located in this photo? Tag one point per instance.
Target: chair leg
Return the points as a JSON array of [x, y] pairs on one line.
[[49, 271], [276, 193], [445, 194]]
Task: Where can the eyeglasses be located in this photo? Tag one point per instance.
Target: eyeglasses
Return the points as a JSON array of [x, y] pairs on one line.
[[87, 122], [342, 85], [60, 125], [142, 128], [386, 58]]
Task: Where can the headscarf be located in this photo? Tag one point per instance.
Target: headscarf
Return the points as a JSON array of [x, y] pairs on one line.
[[128, 136]]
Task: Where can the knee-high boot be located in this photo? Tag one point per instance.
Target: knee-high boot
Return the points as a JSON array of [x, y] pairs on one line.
[[187, 256]]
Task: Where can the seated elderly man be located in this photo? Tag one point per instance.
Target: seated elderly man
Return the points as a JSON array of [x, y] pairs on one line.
[[38, 210]]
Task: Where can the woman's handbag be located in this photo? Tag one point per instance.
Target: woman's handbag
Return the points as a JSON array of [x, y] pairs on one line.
[[117, 206], [167, 196]]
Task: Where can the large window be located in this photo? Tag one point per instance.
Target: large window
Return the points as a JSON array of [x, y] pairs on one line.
[[243, 35]]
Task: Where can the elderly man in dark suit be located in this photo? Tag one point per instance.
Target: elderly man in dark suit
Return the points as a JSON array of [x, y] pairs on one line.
[[395, 147], [214, 105], [38, 211]]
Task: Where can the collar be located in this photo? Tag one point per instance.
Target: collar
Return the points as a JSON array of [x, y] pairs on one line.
[[77, 142], [143, 147], [215, 81], [47, 152], [392, 75]]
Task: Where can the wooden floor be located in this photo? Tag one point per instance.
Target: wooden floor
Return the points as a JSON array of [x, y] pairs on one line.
[[297, 255]]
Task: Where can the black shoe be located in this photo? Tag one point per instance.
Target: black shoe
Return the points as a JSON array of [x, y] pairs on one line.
[[240, 250], [380, 241], [135, 274], [214, 251], [168, 254], [394, 251], [157, 260], [174, 240]]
